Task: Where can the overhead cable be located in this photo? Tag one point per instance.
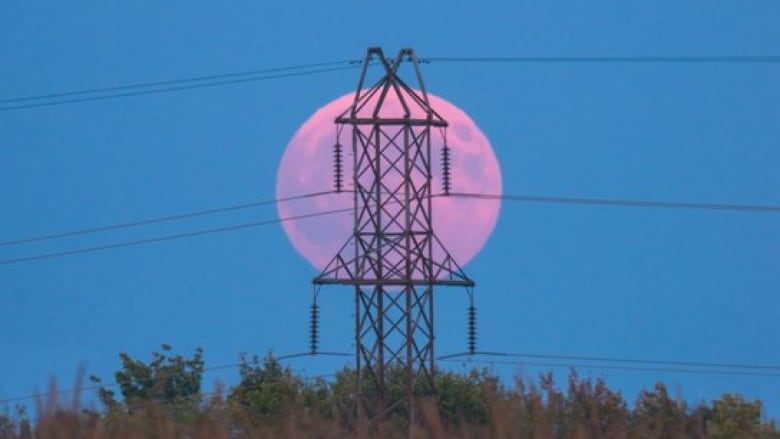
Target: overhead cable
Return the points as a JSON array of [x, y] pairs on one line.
[[159, 219], [230, 78], [603, 366], [505, 197], [621, 202], [695, 59], [166, 89], [614, 360], [205, 370], [174, 81], [167, 237]]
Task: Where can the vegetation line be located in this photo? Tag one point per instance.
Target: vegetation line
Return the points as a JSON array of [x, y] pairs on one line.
[[163, 398]]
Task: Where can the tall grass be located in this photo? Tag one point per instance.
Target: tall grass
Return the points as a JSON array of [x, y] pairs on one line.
[[474, 405]]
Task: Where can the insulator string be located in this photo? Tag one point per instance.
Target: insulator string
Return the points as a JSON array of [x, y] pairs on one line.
[[314, 326], [338, 167], [472, 328], [445, 165]]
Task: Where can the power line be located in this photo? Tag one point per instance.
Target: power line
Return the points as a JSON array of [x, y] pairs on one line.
[[158, 219], [175, 81], [618, 367], [760, 59], [205, 370], [171, 89], [167, 237], [603, 363], [505, 197], [171, 85], [314, 354], [96, 387], [58, 392], [193, 397], [621, 202], [617, 360]]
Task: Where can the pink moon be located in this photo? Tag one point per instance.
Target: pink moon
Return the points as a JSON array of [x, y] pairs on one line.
[[462, 224]]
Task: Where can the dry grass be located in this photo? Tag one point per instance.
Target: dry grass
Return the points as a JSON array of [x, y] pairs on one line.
[[531, 410]]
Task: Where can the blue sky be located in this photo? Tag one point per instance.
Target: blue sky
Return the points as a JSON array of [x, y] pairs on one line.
[[553, 279]]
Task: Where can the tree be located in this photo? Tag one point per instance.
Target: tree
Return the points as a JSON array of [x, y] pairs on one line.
[[170, 381], [466, 397], [265, 390], [658, 415], [7, 424], [731, 417]]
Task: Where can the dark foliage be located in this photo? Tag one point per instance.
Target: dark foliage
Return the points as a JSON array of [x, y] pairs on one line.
[[163, 399]]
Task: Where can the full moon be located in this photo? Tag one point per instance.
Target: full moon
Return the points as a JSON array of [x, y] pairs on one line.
[[462, 224]]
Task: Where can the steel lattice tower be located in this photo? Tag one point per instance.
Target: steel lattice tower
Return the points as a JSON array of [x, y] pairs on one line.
[[393, 259]]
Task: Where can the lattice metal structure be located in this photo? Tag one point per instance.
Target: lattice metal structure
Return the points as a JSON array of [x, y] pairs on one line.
[[393, 259]]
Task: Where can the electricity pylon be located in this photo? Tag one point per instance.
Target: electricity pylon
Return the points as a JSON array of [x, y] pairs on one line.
[[393, 259]]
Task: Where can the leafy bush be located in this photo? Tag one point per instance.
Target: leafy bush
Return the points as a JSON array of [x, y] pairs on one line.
[[162, 399]]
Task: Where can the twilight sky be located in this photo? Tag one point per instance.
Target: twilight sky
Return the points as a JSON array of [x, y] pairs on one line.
[[552, 279]]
